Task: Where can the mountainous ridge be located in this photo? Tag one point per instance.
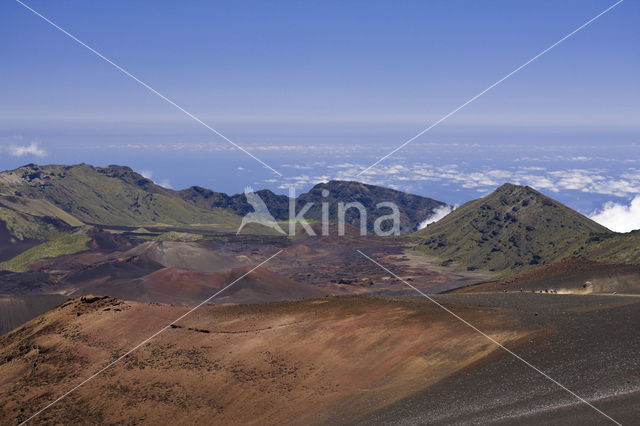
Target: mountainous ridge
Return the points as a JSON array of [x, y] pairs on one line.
[[511, 229], [112, 195], [117, 195], [414, 209]]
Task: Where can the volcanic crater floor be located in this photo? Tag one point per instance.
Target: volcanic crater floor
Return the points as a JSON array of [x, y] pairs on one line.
[[330, 360]]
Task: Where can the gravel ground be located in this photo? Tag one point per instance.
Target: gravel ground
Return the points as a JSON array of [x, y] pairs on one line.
[[589, 344]]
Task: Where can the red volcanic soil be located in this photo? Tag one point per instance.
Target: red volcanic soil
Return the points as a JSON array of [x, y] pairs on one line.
[[335, 360], [337, 266], [107, 241], [72, 262], [299, 250], [109, 270], [135, 278], [177, 285], [189, 272], [313, 361], [193, 256]]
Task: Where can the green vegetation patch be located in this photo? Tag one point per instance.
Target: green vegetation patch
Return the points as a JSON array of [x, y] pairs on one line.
[[24, 227], [63, 244]]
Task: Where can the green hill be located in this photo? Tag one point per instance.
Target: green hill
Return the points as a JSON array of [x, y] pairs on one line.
[[514, 228], [112, 195], [116, 195]]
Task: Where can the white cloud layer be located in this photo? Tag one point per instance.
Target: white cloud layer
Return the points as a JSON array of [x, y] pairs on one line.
[[594, 181], [619, 217], [438, 214], [165, 184], [22, 150], [148, 174]]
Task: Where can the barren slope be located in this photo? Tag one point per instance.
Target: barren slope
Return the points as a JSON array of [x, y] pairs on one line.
[[316, 361], [574, 275]]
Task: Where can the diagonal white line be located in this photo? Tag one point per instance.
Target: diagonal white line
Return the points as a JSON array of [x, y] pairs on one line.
[[491, 87], [431, 299], [151, 89], [144, 342]]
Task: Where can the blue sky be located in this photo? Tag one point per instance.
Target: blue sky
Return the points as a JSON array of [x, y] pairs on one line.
[[319, 89]]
